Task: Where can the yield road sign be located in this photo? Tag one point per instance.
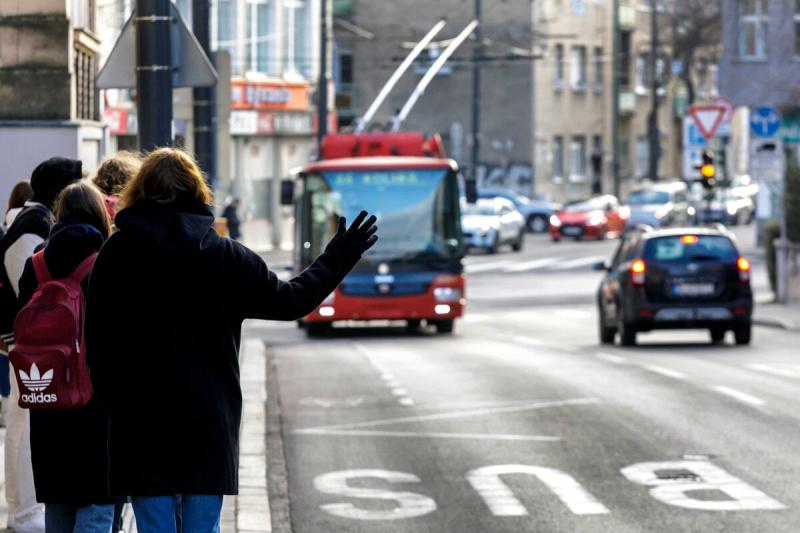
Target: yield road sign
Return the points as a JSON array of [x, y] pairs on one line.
[[707, 118], [765, 121]]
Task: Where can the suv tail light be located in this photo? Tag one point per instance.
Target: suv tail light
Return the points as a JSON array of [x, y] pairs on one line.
[[744, 270], [638, 270]]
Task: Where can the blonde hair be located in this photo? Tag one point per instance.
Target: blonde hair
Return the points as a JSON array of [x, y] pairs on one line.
[[82, 202], [167, 176], [115, 172]]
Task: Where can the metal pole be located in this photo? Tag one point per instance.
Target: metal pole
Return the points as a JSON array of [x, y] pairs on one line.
[[322, 91], [154, 73], [477, 52], [420, 46], [431, 72], [203, 98], [534, 143], [653, 118], [615, 74]]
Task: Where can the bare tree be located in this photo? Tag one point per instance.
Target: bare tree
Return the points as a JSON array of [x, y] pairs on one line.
[[696, 34]]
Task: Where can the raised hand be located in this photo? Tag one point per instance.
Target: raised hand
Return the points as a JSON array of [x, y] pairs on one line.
[[361, 234]]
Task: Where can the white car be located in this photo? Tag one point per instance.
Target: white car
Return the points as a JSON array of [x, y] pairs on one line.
[[492, 222]]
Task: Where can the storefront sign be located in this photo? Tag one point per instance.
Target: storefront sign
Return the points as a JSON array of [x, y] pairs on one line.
[[120, 121], [269, 95], [268, 123]]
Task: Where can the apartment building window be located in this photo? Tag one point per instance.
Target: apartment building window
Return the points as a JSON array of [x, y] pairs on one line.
[[598, 68], [797, 28], [82, 14], [625, 60], [753, 28], [642, 156], [558, 157], [85, 92], [296, 39], [261, 38], [558, 73], [642, 73], [225, 38], [577, 157], [578, 68]]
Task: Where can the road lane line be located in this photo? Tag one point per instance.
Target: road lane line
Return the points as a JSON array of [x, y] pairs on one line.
[[406, 402], [781, 372], [399, 391], [741, 396], [531, 265], [532, 406], [665, 371], [527, 340], [387, 377], [485, 267], [611, 358], [428, 435], [579, 262]]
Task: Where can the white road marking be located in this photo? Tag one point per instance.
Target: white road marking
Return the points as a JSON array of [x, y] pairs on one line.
[[388, 378], [576, 314], [405, 402], [475, 317], [775, 371], [409, 504], [738, 395], [579, 262], [531, 406], [530, 341], [665, 371], [399, 391], [485, 267], [705, 477], [501, 501], [531, 265], [611, 358], [429, 435]]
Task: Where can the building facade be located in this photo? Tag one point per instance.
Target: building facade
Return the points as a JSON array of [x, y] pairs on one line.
[[49, 54], [372, 38]]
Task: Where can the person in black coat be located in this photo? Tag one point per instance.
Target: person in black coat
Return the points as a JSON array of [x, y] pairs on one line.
[[232, 216], [165, 307], [69, 447]]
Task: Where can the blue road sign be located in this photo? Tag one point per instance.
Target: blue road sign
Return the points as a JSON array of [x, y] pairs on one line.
[[765, 121]]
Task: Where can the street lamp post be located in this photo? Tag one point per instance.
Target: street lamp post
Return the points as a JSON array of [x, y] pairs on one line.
[[154, 73], [652, 122]]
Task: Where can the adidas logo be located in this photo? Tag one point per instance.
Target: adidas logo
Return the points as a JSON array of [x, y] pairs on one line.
[[36, 382]]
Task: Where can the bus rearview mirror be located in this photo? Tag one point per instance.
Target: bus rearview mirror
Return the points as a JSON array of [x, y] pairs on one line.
[[471, 191], [287, 192]]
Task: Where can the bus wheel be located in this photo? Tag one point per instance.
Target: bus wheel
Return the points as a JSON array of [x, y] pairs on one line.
[[445, 326], [318, 329], [413, 325]]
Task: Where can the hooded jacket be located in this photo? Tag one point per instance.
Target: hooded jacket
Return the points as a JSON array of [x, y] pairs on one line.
[[165, 306], [68, 448]]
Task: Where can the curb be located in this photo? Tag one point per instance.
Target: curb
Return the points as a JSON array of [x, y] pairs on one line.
[[277, 476], [774, 323]]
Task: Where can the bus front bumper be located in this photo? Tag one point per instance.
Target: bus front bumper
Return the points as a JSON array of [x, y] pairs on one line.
[[415, 307]]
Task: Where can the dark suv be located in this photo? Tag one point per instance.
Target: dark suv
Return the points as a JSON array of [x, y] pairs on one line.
[[690, 278]]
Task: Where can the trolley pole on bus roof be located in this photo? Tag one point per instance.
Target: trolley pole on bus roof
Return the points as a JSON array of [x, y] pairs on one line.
[[154, 73]]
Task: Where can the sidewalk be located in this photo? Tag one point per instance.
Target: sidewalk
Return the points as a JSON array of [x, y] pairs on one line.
[[771, 314], [257, 235]]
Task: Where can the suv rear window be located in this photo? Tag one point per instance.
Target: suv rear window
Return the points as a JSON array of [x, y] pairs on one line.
[[691, 248]]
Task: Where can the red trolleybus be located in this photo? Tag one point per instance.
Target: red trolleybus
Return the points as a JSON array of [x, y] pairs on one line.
[[414, 272]]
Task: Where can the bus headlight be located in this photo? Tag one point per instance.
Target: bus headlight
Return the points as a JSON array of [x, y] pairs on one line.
[[441, 309], [447, 294], [327, 311]]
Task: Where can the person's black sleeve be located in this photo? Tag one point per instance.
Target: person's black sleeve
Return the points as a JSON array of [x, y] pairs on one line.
[[99, 327], [27, 285], [261, 294]]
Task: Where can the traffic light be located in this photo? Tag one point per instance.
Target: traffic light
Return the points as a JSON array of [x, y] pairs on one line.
[[708, 171]]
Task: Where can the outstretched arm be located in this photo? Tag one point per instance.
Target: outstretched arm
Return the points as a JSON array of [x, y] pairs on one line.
[[262, 295]]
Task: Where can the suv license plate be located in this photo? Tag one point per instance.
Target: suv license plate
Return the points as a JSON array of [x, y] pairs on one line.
[[571, 230], [693, 289]]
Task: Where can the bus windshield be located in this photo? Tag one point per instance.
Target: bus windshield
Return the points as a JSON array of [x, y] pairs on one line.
[[415, 210]]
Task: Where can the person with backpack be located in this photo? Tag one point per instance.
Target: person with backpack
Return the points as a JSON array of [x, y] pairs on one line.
[[166, 302], [29, 229], [68, 426]]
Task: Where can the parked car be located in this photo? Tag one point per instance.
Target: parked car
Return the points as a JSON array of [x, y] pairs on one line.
[[537, 213], [661, 204], [726, 206], [675, 279], [492, 222], [595, 218]]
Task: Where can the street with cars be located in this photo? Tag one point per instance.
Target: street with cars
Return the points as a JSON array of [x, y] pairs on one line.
[[522, 420]]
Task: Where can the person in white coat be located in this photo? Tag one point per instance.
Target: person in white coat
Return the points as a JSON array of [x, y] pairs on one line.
[[29, 229]]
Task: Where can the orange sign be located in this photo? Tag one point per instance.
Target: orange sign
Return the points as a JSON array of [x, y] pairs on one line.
[[269, 95]]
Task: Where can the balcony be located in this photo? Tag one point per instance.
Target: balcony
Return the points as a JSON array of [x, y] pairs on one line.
[[627, 16], [627, 102]]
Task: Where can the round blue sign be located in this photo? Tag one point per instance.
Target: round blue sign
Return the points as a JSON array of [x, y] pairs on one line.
[[765, 121]]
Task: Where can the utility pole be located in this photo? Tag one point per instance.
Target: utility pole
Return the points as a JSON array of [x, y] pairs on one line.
[[203, 98], [477, 52], [615, 74], [154, 73], [322, 90], [655, 142]]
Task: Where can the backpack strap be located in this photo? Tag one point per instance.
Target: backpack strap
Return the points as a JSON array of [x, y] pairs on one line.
[[83, 269], [40, 267]]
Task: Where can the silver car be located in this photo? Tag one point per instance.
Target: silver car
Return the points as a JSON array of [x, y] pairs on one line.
[[660, 205], [492, 222]]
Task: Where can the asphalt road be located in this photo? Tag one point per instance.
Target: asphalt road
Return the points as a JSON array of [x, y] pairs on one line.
[[520, 421]]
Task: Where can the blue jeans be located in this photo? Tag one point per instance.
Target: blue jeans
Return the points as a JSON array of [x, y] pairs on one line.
[[198, 513], [60, 518]]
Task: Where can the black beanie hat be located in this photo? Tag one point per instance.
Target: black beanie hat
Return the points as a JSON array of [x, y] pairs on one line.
[[52, 176]]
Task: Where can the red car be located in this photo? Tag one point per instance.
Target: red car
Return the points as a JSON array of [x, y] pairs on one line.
[[595, 218]]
